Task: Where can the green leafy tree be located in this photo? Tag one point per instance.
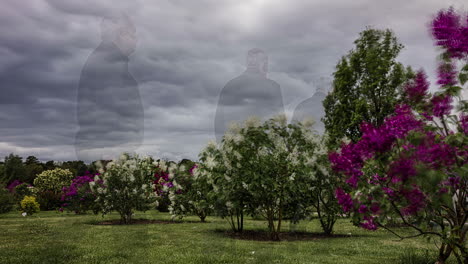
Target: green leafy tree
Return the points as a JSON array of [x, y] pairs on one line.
[[7, 200], [366, 86], [32, 167], [50, 165], [13, 169], [77, 167], [2, 172]]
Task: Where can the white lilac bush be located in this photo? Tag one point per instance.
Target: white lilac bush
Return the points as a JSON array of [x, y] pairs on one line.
[[125, 185], [186, 188], [264, 169]]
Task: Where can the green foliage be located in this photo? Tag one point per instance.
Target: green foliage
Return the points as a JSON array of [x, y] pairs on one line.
[[21, 191], [53, 180], [125, 185], [77, 167], [2, 172], [366, 85], [323, 190], [264, 169], [190, 193], [33, 167], [13, 169], [463, 75], [29, 205], [48, 187], [7, 200]]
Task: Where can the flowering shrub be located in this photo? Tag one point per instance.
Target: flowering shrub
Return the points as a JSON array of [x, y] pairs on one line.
[[125, 185], [265, 170], [49, 186], [11, 187], [162, 184], [29, 205], [78, 197], [415, 165], [53, 180], [189, 193]]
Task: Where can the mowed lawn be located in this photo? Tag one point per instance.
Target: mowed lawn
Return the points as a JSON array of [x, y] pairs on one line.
[[53, 237]]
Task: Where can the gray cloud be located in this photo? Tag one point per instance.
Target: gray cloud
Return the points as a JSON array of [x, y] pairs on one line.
[[186, 52]]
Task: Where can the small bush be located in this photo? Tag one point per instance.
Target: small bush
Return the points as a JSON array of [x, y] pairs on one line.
[[78, 197], [23, 190], [49, 186], [29, 205], [6, 200]]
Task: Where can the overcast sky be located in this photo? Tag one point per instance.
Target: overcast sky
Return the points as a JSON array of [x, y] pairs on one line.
[[186, 52]]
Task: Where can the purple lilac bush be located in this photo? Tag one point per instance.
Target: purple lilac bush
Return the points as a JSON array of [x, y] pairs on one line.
[[414, 167]]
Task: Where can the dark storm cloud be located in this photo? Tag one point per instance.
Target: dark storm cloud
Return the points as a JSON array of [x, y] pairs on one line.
[[186, 53]]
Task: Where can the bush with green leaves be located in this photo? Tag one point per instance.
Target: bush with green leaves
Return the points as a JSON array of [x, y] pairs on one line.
[[23, 190], [49, 185], [323, 188], [7, 200], [125, 185], [188, 192], [29, 205], [264, 169]]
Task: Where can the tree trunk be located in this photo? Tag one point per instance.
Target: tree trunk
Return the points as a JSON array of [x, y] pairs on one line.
[[444, 253]]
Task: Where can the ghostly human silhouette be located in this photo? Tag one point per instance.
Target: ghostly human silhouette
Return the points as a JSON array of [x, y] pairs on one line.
[[250, 94], [313, 106], [109, 109]]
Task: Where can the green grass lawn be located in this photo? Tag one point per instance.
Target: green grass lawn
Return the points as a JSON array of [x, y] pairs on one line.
[[52, 237]]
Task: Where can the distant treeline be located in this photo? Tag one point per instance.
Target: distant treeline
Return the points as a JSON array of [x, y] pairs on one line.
[[15, 167]]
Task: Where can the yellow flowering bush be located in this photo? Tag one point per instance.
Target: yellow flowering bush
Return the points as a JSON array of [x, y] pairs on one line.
[[29, 205]]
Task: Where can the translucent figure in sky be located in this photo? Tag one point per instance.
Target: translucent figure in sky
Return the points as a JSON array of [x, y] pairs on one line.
[[313, 107], [110, 112], [250, 94]]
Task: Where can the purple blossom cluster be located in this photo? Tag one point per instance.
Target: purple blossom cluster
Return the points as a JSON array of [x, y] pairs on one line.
[[447, 74], [192, 169], [161, 178], [388, 166], [77, 183], [415, 199], [78, 197], [11, 187], [344, 199], [464, 123], [431, 150], [369, 223], [441, 105], [451, 33], [374, 140], [417, 89]]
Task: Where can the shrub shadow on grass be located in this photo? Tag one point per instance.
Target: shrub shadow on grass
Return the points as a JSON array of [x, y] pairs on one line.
[[141, 221], [263, 235]]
